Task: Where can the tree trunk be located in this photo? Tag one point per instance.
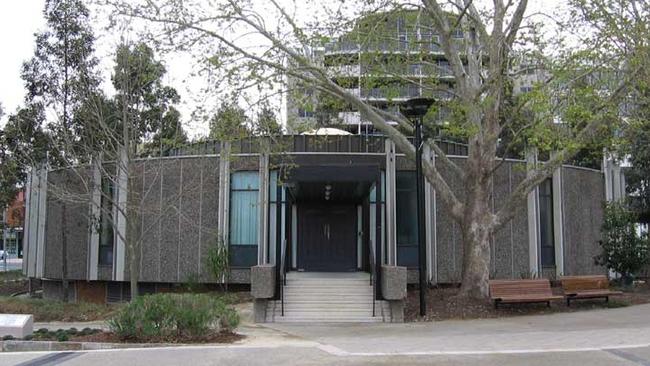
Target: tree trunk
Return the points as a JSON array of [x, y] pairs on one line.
[[476, 228]]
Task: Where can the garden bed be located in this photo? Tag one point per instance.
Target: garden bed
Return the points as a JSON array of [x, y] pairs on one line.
[[102, 336], [50, 310], [13, 282], [442, 305]]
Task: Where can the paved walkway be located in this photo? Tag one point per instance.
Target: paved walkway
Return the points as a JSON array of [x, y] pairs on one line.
[[599, 337], [596, 329]]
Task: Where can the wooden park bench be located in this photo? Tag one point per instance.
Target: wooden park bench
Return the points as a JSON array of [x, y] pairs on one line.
[[586, 287], [521, 291]]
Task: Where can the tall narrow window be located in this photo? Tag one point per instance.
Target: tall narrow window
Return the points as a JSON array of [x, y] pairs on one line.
[[106, 234], [244, 196], [406, 212], [546, 230]]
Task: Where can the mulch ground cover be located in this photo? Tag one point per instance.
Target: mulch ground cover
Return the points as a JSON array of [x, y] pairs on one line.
[[98, 335], [108, 337], [443, 305]]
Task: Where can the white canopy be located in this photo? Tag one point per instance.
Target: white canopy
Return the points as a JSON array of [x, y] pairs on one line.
[[327, 131]]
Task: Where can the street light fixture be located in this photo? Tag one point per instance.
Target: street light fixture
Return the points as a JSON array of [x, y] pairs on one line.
[[414, 109]]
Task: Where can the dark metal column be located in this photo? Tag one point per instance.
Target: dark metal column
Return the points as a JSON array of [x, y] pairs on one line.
[[378, 243], [419, 183], [416, 109], [278, 239]]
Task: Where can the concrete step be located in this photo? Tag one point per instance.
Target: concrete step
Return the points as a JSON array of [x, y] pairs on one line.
[[328, 320], [327, 297]]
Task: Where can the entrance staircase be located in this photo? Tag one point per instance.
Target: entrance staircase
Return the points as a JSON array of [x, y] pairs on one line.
[[328, 297]]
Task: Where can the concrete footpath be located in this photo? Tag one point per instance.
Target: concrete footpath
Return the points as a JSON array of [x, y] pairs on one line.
[[595, 329], [599, 337]]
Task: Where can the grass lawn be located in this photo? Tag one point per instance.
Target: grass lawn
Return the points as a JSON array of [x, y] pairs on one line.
[[49, 310]]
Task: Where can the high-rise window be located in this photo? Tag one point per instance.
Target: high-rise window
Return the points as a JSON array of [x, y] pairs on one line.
[[546, 230], [406, 212], [106, 233], [244, 196]]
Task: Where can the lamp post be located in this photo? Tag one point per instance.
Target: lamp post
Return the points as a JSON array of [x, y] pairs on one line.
[[415, 109]]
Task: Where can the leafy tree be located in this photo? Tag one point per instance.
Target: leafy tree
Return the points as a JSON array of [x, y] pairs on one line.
[[63, 69], [141, 96], [22, 140], [481, 43], [170, 134], [636, 145], [624, 250], [229, 123], [267, 122]]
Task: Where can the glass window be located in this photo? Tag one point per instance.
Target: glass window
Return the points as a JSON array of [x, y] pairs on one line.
[[244, 195], [546, 230], [106, 234], [406, 212]]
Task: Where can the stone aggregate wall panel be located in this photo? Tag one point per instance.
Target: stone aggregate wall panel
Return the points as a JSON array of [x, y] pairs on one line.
[[449, 238], [209, 213], [169, 221], [584, 194], [69, 189], [190, 218], [519, 226], [150, 226], [502, 244]]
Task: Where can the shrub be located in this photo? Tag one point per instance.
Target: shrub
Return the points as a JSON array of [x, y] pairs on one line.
[[218, 262], [623, 249], [165, 316]]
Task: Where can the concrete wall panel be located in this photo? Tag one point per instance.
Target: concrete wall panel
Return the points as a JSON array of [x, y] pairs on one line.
[[190, 218], [209, 212], [584, 194], [150, 244], [170, 220]]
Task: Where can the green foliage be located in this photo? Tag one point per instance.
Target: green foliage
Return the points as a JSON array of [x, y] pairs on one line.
[[623, 249], [192, 283], [636, 145], [267, 123], [142, 98], [229, 123], [168, 316], [60, 335], [218, 262]]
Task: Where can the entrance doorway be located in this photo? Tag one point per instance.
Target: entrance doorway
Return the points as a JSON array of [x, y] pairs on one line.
[[327, 237]]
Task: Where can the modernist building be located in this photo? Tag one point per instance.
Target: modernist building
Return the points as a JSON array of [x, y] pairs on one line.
[[336, 213], [335, 204]]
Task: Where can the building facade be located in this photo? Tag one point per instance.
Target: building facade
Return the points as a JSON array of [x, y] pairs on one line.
[[385, 59], [336, 204]]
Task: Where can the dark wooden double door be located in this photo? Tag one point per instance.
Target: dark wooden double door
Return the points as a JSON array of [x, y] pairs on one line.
[[327, 237]]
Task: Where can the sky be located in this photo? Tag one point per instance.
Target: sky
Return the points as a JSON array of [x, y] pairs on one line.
[[20, 19]]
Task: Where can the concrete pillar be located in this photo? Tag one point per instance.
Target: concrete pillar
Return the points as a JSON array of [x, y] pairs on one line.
[[95, 214], [263, 211], [224, 193], [41, 215], [391, 205], [121, 193], [533, 217], [558, 221], [430, 211]]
